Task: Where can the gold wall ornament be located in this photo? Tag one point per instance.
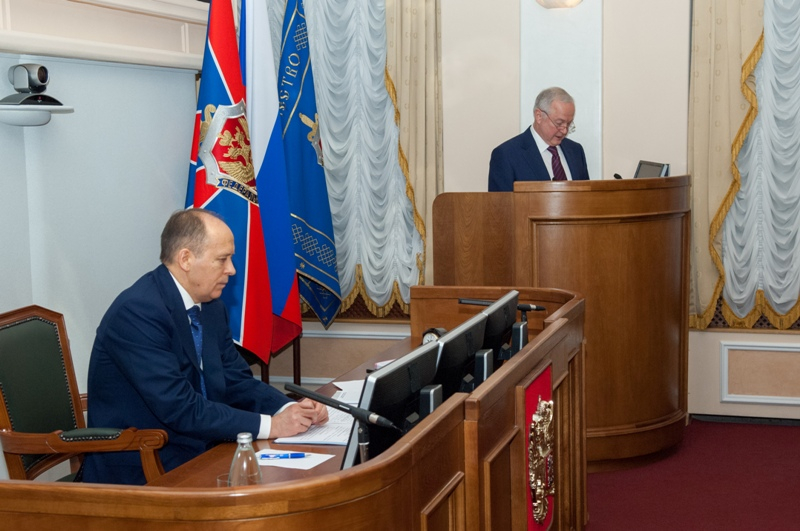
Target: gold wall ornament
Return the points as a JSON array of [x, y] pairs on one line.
[[541, 473]]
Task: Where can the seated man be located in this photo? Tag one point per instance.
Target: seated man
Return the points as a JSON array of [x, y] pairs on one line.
[[145, 370], [542, 152]]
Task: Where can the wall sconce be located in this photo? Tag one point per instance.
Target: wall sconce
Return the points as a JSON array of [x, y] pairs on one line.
[[29, 106], [551, 4]]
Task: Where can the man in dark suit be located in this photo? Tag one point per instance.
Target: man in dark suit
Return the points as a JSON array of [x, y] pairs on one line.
[[543, 152], [145, 371]]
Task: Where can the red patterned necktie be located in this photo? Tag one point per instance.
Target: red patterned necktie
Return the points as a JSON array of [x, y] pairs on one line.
[[558, 170]]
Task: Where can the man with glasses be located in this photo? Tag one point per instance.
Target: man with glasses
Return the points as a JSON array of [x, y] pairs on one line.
[[543, 152]]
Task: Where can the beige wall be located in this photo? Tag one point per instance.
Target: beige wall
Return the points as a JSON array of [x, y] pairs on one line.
[[636, 74], [645, 84], [644, 113], [480, 86], [765, 390], [626, 63]]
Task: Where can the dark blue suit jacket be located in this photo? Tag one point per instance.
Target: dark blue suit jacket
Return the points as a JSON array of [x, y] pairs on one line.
[[518, 159], [144, 373]]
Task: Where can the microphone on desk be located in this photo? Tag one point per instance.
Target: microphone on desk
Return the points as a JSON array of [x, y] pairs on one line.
[[476, 302], [358, 413], [520, 307]]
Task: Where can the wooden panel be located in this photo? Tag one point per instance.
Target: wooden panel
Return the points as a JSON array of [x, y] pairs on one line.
[[446, 512], [438, 306], [636, 301], [496, 445], [472, 237], [624, 246], [497, 492], [460, 468], [419, 470]]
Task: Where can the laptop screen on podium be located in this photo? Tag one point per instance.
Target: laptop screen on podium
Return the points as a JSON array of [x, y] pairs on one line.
[[651, 169]]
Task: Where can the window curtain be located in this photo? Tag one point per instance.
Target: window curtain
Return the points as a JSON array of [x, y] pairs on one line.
[[413, 63], [761, 251], [726, 46], [377, 86]]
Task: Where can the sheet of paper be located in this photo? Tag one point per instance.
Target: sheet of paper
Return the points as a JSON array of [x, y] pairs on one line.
[[334, 432], [305, 463], [350, 391]]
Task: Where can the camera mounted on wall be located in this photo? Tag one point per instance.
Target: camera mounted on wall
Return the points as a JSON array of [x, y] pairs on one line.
[[30, 81], [30, 105]]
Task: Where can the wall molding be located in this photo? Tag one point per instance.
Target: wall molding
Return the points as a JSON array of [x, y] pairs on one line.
[[727, 397], [165, 33], [182, 10], [356, 331]]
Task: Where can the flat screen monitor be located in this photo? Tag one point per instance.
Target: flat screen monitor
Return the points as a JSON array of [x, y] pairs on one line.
[[651, 169], [402, 392], [457, 356], [500, 318]]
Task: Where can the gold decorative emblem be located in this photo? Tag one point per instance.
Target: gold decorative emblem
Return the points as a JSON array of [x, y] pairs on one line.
[[313, 135], [541, 471], [225, 150]]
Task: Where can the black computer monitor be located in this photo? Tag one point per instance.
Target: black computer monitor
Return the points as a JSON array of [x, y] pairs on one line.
[[460, 354], [402, 392], [500, 318]]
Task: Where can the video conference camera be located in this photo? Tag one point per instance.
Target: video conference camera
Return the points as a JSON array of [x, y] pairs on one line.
[[29, 78], [29, 105]]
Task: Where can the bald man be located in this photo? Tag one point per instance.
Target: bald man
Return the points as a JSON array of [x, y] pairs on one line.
[[145, 371]]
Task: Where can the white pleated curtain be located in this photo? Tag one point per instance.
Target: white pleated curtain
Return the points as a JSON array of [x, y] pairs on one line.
[[379, 195], [761, 250], [743, 155]]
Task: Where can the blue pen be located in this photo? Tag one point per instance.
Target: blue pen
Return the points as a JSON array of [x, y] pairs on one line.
[[290, 455]]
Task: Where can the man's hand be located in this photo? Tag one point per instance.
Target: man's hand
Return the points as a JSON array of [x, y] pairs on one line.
[[297, 418]]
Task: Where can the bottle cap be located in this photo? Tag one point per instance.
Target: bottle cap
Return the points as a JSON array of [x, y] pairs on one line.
[[244, 437]]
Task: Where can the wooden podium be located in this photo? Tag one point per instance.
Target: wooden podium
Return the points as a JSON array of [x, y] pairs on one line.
[[622, 244]]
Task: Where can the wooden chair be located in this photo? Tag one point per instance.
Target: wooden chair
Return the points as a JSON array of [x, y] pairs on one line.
[[41, 418]]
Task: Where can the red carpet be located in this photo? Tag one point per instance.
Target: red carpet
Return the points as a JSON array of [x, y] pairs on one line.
[[723, 476]]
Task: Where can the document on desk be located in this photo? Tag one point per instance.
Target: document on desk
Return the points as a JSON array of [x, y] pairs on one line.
[[335, 432], [306, 462], [349, 391]]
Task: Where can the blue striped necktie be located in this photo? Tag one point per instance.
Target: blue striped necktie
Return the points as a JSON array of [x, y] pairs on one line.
[[197, 335]]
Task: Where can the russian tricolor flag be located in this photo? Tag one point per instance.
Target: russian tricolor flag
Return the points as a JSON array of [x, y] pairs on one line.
[[236, 167]]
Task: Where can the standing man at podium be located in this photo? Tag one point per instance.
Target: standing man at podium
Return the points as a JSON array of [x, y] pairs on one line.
[[542, 152]]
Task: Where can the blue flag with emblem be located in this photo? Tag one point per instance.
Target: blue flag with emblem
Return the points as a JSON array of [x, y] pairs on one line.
[[312, 229]]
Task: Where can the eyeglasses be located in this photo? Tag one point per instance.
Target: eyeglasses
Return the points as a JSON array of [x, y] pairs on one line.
[[568, 128]]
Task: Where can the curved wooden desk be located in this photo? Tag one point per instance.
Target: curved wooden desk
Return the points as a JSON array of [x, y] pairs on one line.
[[460, 468], [623, 244]]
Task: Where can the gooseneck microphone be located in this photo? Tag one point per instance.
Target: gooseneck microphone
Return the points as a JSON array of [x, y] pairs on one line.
[[362, 415], [530, 308]]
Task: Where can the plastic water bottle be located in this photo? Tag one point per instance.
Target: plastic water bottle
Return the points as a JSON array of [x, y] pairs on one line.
[[245, 469]]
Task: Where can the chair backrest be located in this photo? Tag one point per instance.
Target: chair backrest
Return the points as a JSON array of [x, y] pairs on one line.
[[37, 380]]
